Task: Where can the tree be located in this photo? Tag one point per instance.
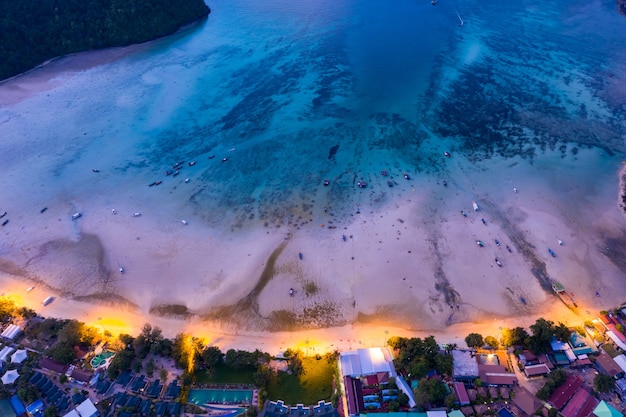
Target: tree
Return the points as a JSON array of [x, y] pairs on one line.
[[150, 368], [562, 332], [7, 309], [121, 362], [393, 406], [542, 332], [603, 383], [514, 337], [402, 399], [62, 352], [212, 357], [51, 411], [492, 342], [430, 391], [553, 381], [474, 340]]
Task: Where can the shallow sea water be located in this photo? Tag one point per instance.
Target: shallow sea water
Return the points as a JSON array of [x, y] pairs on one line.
[[524, 94]]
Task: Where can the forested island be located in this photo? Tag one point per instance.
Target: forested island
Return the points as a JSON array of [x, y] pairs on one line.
[[621, 7], [34, 31]]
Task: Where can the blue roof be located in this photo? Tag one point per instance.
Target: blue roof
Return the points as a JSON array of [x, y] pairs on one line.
[[505, 413], [17, 405], [35, 407]]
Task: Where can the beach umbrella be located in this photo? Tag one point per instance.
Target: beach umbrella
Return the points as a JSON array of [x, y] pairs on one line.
[[9, 377], [19, 356]]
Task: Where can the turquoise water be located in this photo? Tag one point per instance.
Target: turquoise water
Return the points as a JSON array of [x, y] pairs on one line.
[[100, 359], [220, 396], [391, 85]]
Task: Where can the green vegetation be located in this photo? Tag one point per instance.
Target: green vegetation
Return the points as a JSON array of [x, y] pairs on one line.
[[554, 380], [514, 337], [313, 384], [492, 342], [223, 374], [474, 340], [431, 392], [603, 383], [34, 31], [610, 350], [416, 356]]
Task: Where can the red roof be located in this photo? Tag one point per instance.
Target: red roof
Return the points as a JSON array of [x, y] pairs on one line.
[[564, 392], [576, 403], [608, 364], [588, 407], [461, 393], [52, 365], [534, 370], [619, 334]]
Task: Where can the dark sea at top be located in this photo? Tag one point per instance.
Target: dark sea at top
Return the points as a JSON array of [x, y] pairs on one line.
[[307, 91], [340, 90]]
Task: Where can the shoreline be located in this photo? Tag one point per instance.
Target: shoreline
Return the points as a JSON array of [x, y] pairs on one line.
[[257, 246]]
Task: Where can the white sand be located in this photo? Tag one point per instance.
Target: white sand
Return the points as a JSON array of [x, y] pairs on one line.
[[408, 266]]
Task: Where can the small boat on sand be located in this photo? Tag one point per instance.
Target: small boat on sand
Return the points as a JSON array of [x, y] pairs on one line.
[[77, 215], [475, 206], [551, 252]]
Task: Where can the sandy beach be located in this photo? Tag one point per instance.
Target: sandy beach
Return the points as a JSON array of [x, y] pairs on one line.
[[246, 246]]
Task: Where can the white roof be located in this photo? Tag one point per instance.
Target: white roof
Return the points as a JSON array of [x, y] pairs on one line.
[[369, 361], [87, 409], [616, 339], [72, 413], [19, 356], [11, 331], [5, 352], [436, 413], [620, 360], [10, 376], [404, 387]]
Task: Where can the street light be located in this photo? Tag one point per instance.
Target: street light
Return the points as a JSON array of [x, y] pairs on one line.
[[385, 341]]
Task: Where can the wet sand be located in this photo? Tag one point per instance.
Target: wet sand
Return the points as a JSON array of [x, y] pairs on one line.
[[218, 255]]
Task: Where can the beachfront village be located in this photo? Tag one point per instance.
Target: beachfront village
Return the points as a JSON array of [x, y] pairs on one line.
[[53, 367]]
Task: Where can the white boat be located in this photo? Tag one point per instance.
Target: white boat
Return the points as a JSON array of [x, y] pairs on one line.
[[47, 301], [475, 206], [76, 215]]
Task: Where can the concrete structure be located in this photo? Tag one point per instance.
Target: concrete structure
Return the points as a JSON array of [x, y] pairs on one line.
[[87, 409], [11, 332], [367, 367], [461, 393], [279, 409], [372, 361], [620, 360], [465, 365], [608, 365], [536, 370], [605, 409], [19, 356], [9, 377]]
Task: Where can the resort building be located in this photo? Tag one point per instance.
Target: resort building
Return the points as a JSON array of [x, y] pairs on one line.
[[84, 409], [605, 409], [365, 375], [465, 366], [11, 332], [279, 409], [608, 365]]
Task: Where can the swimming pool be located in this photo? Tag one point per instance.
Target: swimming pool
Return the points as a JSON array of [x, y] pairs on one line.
[[220, 396], [101, 359]]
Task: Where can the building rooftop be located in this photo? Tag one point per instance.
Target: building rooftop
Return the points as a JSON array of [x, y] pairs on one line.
[[465, 365]]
